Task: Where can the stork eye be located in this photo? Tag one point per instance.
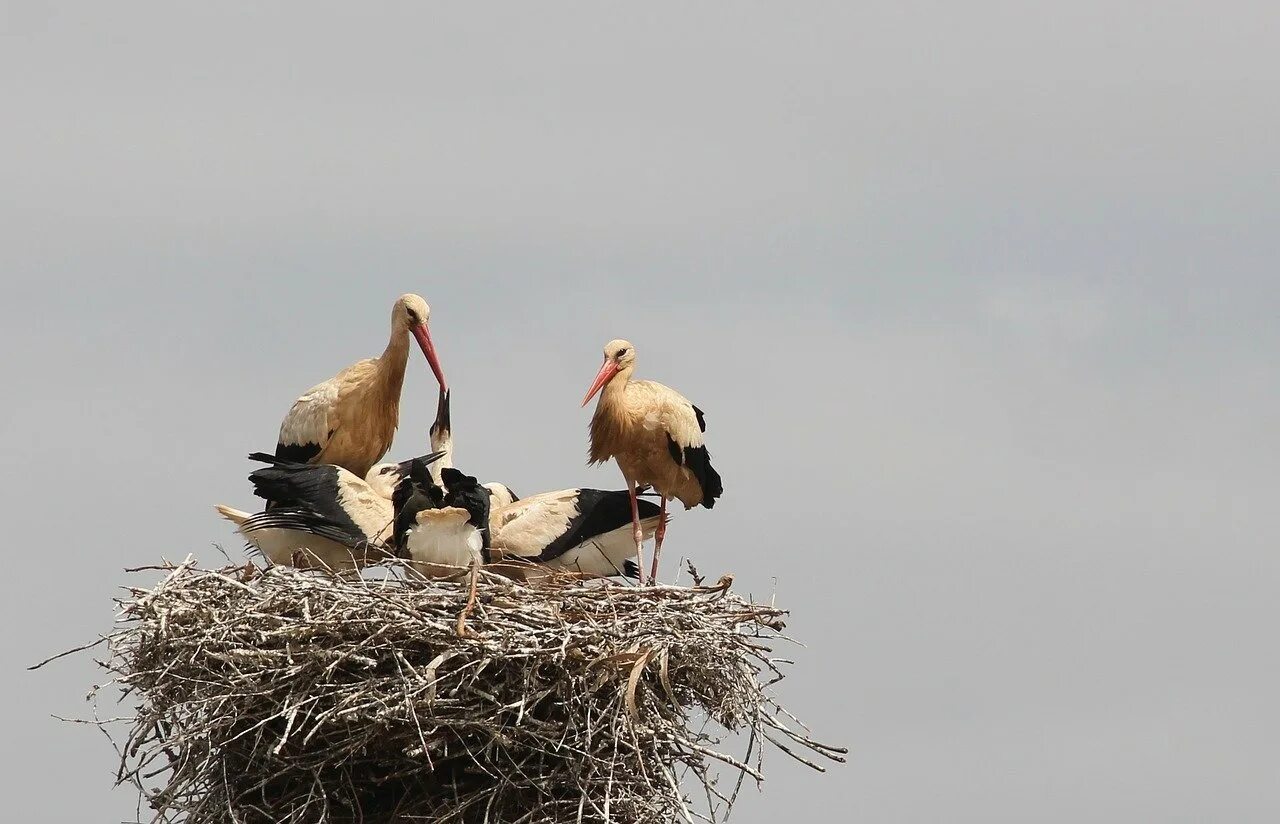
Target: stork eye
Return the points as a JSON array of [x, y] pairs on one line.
[[412, 313], [620, 353]]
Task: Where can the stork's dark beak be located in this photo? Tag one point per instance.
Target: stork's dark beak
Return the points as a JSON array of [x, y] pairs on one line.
[[428, 348], [442, 413], [607, 370]]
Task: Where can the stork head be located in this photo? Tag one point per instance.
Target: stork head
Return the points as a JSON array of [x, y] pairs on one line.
[[411, 314], [619, 355], [385, 477]]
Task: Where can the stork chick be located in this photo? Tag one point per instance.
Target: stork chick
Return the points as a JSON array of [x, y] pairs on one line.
[[586, 532], [655, 435], [441, 433], [443, 531], [322, 516]]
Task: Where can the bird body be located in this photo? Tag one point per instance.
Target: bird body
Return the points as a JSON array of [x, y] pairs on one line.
[[585, 531], [321, 515], [442, 543], [441, 530], [289, 543], [656, 436], [350, 419]]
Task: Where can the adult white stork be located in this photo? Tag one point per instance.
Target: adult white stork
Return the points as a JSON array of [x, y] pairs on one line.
[[582, 531], [350, 419], [655, 434], [443, 532], [441, 433], [322, 516]]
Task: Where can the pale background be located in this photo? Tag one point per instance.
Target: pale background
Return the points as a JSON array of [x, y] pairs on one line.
[[980, 299]]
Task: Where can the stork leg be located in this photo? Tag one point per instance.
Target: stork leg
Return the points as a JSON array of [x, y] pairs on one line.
[[471, 598], [639, 533], [657, 539]]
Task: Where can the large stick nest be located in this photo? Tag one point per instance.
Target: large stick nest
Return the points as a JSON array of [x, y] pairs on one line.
[[288, 696]]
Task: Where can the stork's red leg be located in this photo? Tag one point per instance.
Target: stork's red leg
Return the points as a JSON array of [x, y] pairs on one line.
[[639, 533], [657, 539]]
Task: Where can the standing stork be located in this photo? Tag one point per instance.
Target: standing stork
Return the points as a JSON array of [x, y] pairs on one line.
[[655, 434], [350, 419]]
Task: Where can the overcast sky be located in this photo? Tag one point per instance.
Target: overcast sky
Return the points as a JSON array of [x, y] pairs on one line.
[[980, 299]]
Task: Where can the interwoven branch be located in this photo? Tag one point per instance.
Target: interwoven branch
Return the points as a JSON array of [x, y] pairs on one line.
[[288, 696]]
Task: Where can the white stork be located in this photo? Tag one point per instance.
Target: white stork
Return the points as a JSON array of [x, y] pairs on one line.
[[350, 419], [442, 441], [655, 434], [322, 516], [442, 532], [582, 531]]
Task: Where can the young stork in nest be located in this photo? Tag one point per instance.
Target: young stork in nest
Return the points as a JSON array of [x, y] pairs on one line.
[[443, 531], [321, 516], [586, 532], [442, 441], [655, 434], [350, 419], [385, 477]]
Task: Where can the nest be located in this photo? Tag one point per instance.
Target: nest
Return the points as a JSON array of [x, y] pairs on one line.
[[281, 695]]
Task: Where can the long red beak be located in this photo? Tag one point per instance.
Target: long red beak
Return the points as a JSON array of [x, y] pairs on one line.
[[428, 348], [607, 370]]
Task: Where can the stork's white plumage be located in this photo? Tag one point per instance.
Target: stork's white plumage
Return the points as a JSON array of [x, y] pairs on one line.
[[350, 419], [656, 436], [442, 532], [442, 543], [584, 531], [322, 516], [500, 494]]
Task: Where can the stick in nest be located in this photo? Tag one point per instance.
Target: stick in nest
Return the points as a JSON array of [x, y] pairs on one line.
[[294, 696]]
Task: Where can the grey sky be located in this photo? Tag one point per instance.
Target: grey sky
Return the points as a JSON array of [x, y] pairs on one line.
[[980, 300]]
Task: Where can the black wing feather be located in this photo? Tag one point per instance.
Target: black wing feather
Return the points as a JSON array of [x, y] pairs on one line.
[[305, 520], [309, 489], [599, 512], [415, 492], [465, 492], [300, 452]]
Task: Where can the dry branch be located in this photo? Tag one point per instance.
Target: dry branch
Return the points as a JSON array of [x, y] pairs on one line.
[[288, 696]]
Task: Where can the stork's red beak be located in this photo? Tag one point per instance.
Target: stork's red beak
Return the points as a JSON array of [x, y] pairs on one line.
[[428, 348], [607, 370]]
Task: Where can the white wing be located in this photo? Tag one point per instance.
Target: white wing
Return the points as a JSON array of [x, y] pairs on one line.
[[305, 431], [670, 411], [530, 525], [370, 511]]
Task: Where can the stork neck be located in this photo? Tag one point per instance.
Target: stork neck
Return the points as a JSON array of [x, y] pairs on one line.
[[394, 359], [441, 442], [615, 389]]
